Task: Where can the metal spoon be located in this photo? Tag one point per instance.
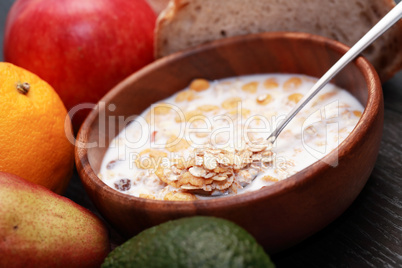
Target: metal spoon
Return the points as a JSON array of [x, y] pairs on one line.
[[384, 24]]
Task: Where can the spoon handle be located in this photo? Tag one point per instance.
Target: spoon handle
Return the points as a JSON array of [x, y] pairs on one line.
[[384, 24]]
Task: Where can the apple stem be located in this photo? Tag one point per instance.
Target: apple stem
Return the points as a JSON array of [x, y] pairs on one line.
[[23, 88]]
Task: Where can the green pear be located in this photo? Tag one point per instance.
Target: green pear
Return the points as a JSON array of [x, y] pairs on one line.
[[39, 228]]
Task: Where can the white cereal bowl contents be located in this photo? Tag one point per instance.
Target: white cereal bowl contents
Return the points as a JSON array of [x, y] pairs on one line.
[[205, 119], [279, 215]]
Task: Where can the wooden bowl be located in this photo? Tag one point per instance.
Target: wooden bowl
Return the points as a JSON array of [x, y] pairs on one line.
[[280, 215]]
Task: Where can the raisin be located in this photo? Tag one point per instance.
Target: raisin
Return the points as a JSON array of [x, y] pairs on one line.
[[123, 184], [111, 164]]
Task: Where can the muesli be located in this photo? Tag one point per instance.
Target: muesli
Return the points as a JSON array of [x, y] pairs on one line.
[[210, 139]]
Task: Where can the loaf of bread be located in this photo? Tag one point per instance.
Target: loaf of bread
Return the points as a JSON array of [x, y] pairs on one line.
[[158, 5], [187, 23]]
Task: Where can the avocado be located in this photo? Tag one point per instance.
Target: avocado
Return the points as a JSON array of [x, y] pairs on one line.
[[199, 242]]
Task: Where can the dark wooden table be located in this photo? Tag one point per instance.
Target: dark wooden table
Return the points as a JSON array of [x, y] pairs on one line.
[[368, 234]]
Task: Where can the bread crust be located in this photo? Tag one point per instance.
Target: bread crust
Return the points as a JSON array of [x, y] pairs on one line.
[[187, 23], [158, 5]]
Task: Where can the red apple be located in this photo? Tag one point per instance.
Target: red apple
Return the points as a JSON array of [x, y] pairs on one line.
[[81, 47]]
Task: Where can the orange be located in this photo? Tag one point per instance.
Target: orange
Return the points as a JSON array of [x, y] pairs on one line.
[[34, 126]]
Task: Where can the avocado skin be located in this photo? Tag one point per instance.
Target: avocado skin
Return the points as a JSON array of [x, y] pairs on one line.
[[199, 242]]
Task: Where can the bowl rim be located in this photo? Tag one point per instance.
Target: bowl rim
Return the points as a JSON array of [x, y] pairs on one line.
[[278, 188]]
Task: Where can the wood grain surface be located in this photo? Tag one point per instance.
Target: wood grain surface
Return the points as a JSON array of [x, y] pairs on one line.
[[368, 234]]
